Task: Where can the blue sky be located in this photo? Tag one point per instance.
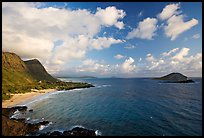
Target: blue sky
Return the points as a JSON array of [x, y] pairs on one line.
[[125, 39]]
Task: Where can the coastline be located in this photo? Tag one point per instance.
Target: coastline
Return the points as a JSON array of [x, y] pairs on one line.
[[21, 97]]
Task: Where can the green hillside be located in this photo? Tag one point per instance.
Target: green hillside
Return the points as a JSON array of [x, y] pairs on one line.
[[20, 76], [14, 74]]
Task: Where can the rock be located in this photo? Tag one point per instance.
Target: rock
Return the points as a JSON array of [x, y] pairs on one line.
[[19, 119], [56, 133], [31, 110], [77, 131], [44, 122], [15, 126], [20, 108]]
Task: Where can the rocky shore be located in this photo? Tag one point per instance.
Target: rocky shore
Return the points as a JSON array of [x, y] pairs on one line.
[[19, 126]]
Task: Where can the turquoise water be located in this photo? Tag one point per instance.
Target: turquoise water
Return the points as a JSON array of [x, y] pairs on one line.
[[122, 107]]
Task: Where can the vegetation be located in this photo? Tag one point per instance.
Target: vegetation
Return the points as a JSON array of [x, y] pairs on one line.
[[21, 77]]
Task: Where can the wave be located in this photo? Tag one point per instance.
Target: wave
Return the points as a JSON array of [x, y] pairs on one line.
[[105, 85], [44, 126], [98, 133]]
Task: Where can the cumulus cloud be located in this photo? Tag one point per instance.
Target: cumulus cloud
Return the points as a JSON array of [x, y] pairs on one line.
[[119, 56], [180, 56], [175, 24], [145, 29], [166, 54], [150, 57], [168, 11], [34, 31], [128, 65], [130, 47], [180, 62], [94, 66], [110, 16], [104, 42]]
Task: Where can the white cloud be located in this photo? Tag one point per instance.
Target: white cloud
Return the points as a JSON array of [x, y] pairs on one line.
[[120, 25], [180, 56], [196, 36], [98, 67], [150, 57], [104, 42], [110, 16], [145, 29], [35, 30], [165, 54], [190, 65], [130, 47], [168, 11], [119, 56], [128, 66], [175, 24]]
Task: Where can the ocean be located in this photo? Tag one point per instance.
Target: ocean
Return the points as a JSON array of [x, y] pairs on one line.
[[123, 107]]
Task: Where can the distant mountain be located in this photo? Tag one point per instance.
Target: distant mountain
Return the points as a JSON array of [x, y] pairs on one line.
[[175, 78], [87, 77], [37, 70], [59, 76]]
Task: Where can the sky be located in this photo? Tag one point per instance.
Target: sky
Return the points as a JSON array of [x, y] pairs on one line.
[[105, 39]]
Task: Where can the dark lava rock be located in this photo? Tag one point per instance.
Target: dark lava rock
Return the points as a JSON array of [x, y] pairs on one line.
[[77, 131], [20, 108], [13, 127], [7, 112], [56, 133], [19, 119], [17, 127], [44, 123], [31, 110], [36, 126]]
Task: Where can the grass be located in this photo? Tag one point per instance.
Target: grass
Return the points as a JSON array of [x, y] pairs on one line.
[[59, 85]]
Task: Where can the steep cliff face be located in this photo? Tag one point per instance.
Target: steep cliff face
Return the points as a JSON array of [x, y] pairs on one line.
[[37, 70]]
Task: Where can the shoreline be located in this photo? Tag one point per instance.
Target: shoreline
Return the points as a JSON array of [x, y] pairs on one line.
[[21, 97]]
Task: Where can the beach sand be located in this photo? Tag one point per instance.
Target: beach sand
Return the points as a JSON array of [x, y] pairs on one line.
[[19, 98]]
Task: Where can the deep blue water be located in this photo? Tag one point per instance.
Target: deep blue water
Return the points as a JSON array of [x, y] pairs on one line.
[[138, 106]]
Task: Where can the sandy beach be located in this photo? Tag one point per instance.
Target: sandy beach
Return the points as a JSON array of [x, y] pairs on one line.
[[18, 98]]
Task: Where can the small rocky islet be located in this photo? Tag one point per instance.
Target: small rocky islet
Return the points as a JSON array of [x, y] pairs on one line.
[[19, 126], [174, 78]]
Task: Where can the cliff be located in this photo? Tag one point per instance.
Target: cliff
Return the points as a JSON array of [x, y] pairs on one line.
[[37, 71]]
